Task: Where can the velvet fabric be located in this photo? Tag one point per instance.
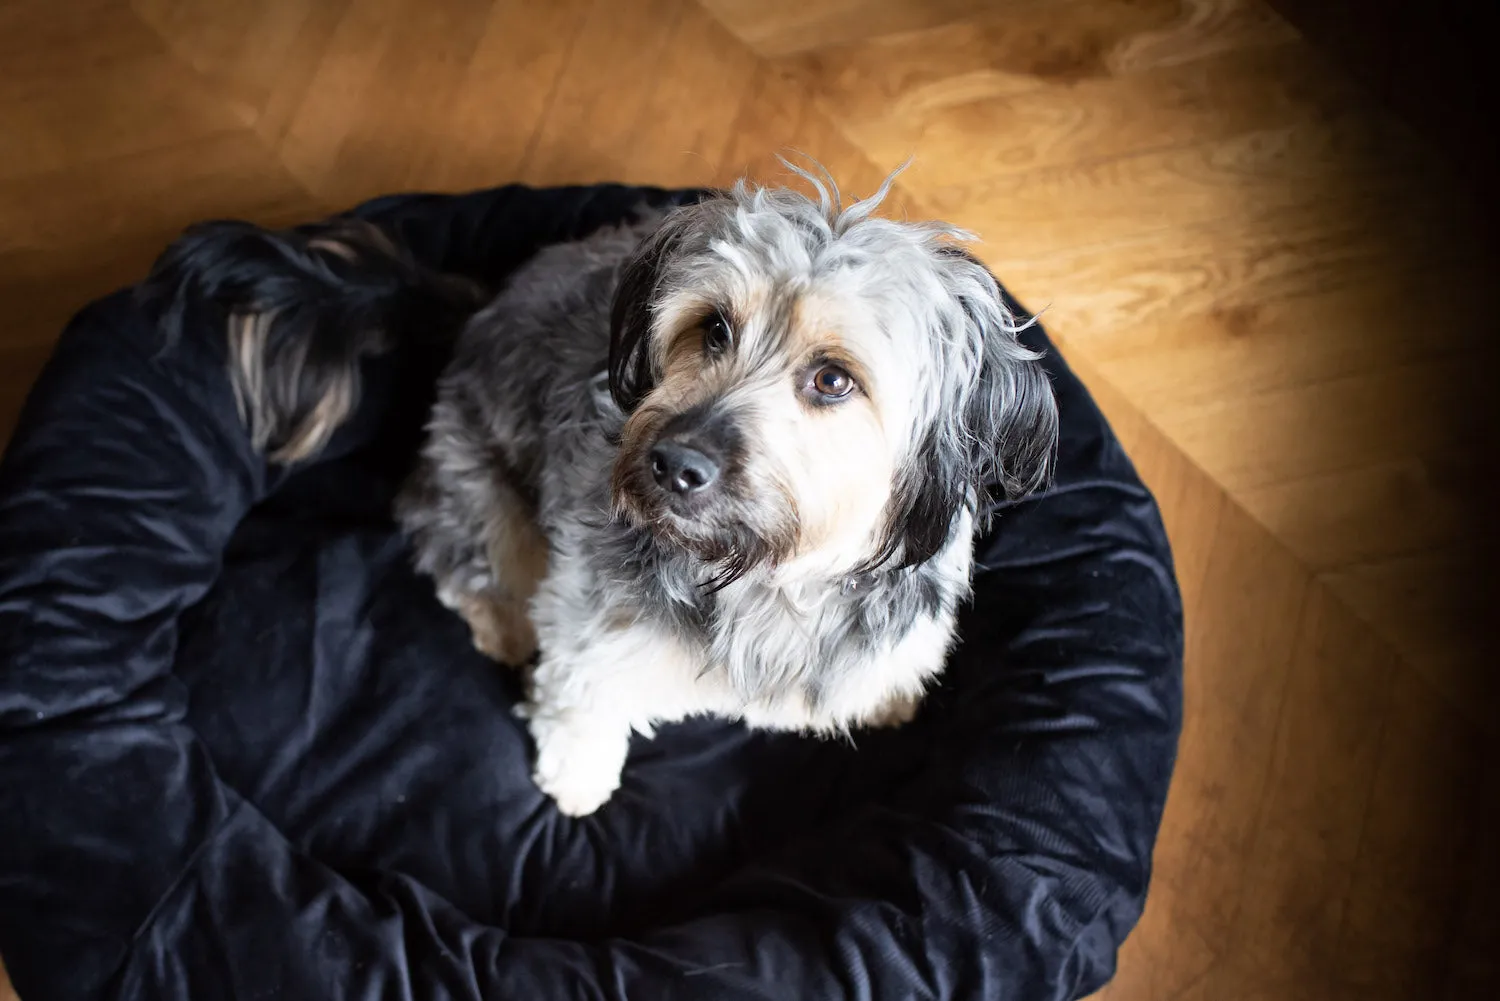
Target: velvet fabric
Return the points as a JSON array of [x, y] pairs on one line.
[[244, 753]]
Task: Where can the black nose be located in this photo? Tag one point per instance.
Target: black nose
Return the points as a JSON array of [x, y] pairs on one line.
[[681, 468]]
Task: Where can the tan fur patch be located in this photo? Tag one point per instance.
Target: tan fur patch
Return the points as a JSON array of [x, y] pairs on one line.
[[805, 335], [500, 618], [349, 238], [501, 628], [900, 709], [684, 348], [337, 248], [516, 547], [247, 336], [313, 433]]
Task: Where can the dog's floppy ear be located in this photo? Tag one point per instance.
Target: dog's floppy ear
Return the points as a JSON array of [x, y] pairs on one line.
[[1011, 417], [630, 320], [642, 278], [997, 434]]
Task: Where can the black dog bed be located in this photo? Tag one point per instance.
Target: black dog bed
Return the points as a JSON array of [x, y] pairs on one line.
[[244, 753]]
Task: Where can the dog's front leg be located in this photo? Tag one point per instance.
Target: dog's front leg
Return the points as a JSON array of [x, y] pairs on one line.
[[593, 686], [580, 756]]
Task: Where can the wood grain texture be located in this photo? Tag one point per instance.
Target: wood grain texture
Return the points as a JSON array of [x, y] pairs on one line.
[[1279, 293]]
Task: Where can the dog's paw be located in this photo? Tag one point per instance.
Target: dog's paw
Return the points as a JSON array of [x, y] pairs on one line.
[[579, 772], [576, 799], [898, 711], [577, 791]]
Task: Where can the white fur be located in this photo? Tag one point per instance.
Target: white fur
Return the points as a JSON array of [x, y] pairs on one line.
[[600, 679]]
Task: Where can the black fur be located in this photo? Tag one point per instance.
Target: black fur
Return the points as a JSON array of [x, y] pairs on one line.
[[1003, 448], [326, 296], [925, 503], [641, 280]]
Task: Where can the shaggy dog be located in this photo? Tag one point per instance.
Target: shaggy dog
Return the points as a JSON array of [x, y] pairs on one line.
[[727, 459]]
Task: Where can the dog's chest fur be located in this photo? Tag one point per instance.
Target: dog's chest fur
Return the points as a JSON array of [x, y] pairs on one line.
[[773, 638]]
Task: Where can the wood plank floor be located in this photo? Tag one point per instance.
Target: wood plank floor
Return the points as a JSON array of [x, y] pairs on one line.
[[1280, 294]]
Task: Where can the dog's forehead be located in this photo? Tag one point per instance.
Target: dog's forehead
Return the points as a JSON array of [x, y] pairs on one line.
[[793, 286], [782, 326], [841, 314], [793, 319]]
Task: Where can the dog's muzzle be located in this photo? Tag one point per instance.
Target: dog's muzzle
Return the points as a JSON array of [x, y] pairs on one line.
[[689, 462]]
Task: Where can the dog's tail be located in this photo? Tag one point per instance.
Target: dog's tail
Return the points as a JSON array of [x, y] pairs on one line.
[[305, 307]]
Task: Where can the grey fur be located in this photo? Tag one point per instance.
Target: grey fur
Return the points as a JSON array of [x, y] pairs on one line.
[[531, 409]]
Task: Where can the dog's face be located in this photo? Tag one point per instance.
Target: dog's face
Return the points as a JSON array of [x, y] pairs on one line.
[[768, 434], [815, 388]]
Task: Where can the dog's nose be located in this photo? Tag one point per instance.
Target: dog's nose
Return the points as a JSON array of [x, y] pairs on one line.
[[681, 468]]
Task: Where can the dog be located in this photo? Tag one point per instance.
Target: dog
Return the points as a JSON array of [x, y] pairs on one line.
[[725, 459]]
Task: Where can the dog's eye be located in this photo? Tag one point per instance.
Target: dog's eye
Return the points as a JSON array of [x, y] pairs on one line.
[[832, 383], [717, 337]]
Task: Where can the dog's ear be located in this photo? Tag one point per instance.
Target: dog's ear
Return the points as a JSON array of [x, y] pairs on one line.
[[631, 317], [998, 433], [1010, 420], [925, 503]]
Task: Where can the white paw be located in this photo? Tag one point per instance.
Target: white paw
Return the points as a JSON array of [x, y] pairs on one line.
[[580, 773], [577, 792]]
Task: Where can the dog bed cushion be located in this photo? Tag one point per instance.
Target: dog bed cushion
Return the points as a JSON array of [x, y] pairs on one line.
[[244, 753]]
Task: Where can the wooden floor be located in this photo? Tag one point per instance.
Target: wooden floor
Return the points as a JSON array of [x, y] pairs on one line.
[[1278, 293]]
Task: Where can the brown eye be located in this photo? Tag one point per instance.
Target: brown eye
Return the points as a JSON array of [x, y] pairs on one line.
[[832, 382], [717, 337]]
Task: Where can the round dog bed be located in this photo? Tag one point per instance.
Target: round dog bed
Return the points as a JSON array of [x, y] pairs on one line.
[[244, 752]]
